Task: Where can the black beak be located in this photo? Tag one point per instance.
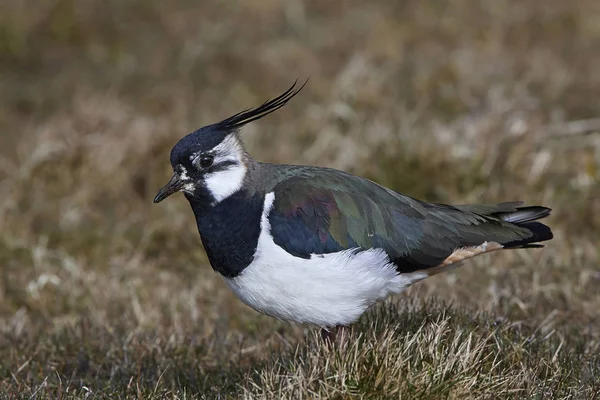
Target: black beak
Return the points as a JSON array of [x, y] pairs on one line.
[[174, 185]]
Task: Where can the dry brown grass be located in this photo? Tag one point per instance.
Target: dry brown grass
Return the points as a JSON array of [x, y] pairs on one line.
[[103, 294]]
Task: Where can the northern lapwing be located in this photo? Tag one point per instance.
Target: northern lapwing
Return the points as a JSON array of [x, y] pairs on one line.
[[319, 245]]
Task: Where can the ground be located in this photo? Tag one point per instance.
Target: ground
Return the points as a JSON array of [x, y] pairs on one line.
[[106, 295]]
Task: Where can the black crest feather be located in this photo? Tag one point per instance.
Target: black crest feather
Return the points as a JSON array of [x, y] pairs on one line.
[[252, 114]]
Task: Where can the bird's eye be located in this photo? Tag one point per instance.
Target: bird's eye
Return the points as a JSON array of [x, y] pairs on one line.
[[206, 161]]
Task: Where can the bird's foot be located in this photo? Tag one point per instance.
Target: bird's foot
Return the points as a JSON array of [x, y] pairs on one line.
[[337, 335]]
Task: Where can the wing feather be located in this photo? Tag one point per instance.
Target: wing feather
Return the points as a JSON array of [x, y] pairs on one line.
[[320, 211]]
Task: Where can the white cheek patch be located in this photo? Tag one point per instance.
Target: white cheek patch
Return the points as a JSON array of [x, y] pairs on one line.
[[222, 184], [226, 182]]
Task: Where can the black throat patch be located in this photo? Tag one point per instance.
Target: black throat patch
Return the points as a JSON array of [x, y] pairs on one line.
[[230, 230]]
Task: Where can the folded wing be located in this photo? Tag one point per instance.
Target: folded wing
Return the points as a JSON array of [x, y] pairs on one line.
[[329, 211]]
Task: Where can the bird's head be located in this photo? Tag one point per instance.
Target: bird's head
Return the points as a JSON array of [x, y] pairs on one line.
[[210, 164]]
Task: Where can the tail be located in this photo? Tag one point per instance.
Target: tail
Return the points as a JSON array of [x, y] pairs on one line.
[[469, 230], [524, 217]]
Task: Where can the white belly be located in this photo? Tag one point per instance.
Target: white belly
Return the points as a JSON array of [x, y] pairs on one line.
[[326, 290]]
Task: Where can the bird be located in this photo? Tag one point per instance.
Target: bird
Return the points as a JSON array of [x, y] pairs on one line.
[[318, 245]]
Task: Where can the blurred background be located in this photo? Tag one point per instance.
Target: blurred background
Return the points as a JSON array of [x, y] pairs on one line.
[[456, 101]]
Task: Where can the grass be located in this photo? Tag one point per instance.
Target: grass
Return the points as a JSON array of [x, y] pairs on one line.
[[105, 295]]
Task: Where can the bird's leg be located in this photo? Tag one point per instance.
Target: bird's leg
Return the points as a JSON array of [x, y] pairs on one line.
[[327, 334], [336, 335]]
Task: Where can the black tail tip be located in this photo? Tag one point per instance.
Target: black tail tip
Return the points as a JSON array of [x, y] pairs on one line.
[[540, 233]]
